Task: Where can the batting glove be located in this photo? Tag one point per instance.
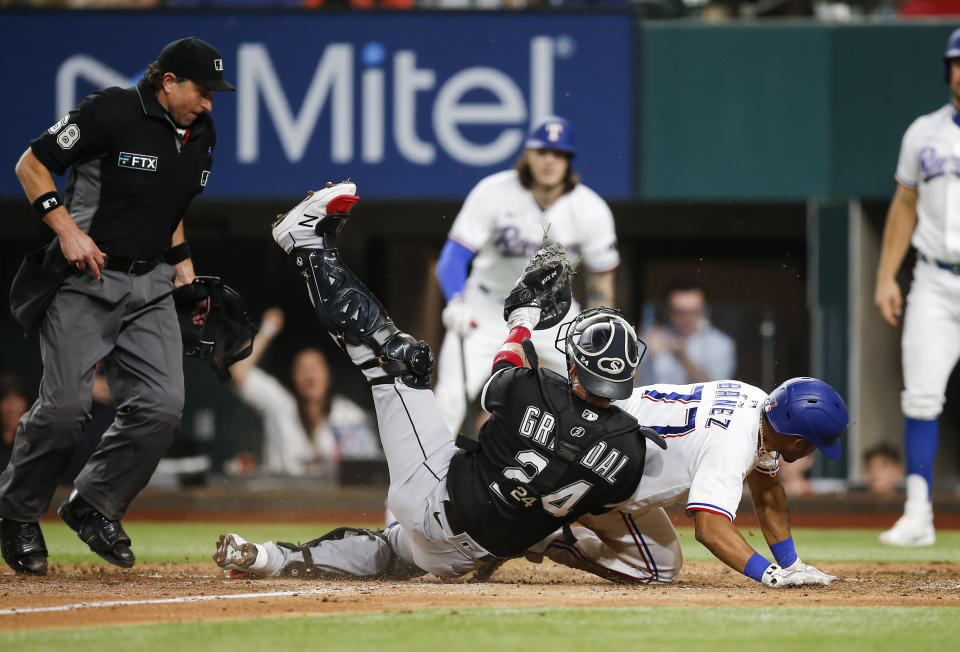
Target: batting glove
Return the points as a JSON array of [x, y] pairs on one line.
[[812, 574], [458, 316], [776, 577]]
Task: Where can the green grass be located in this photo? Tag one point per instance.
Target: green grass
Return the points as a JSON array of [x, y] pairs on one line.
[[717, 629], [734, 629], [194, 542]]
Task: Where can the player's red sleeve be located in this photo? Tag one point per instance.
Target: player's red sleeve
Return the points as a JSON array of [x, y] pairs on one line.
[[516, 336]]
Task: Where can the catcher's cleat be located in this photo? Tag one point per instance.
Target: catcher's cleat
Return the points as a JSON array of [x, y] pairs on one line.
[[236, 555], [313, 223], [23, 547]]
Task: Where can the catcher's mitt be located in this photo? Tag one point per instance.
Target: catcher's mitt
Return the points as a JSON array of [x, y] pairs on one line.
[[545, 283]]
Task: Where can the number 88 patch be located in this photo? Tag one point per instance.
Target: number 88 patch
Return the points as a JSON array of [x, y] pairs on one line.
[[68, 137]]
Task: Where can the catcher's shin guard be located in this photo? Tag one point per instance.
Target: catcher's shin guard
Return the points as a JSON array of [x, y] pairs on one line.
[[353, 315]]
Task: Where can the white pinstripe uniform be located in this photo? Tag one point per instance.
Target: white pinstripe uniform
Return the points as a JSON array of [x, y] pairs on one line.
[[930, 163], [501, 221], [712, 434]]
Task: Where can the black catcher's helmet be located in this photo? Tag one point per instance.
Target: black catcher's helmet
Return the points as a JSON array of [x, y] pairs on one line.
[[219, 330], [603, 347]]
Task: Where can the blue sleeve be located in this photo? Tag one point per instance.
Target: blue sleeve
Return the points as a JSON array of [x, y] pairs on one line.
[[452, 268]]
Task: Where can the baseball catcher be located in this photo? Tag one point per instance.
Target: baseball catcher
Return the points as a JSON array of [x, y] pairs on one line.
[[553, 450]]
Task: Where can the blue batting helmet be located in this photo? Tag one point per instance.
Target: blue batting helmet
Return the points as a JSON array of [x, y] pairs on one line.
[[553, 132], [811, 409], [952, 52]]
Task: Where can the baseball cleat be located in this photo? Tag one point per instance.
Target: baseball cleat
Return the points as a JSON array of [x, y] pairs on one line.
[[23, 547], [910, 531], [236, 555], [321, 212]]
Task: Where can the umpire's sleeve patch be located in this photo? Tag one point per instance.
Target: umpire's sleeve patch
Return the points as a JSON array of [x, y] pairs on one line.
[[68, 137], [60, 125]]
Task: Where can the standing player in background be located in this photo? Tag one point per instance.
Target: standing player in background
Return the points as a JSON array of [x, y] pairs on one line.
[[505, 219], [925, 211]]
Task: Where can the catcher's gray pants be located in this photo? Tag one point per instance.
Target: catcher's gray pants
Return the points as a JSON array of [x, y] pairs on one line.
[[620, 546], [418, 447], [140, 345]]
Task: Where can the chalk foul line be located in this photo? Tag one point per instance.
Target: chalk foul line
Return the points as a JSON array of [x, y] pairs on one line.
[[179, 600]]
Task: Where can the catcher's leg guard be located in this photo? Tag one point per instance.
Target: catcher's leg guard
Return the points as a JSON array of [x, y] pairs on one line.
[[347, 551], [354, 316]]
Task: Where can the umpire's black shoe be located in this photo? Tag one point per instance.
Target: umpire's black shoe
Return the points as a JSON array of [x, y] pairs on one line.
[[105, 537], [23, 547]]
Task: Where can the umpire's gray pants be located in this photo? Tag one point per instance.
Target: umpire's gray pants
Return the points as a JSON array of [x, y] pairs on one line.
[[140, 345]]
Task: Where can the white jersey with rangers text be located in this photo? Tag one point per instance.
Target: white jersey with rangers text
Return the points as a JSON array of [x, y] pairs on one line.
[[930, 162], [501, 221], [711, 430]]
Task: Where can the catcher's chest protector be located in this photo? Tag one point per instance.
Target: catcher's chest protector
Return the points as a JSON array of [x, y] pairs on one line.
[[544, 458]]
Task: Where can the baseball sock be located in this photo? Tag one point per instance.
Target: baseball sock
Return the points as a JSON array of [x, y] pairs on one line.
[[920, 438]]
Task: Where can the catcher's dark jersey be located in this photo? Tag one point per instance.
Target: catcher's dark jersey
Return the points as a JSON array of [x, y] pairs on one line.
[[492, 488], [132, 174]]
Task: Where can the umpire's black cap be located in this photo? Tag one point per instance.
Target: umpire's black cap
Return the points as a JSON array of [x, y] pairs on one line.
[[196, 60]]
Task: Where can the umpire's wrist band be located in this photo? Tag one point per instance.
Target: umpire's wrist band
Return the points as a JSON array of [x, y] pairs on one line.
[[177, 254], [755, 567], [784, 552], [47, 202]]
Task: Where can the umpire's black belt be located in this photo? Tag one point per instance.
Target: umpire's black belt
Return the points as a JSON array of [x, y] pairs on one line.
[[954, 268], [130, 266]]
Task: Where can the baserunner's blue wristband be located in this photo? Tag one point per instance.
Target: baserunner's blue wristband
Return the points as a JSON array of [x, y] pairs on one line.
[[784, 552], [755, 567]]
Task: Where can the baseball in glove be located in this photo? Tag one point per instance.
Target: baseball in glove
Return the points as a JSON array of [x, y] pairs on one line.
[[545, 283]]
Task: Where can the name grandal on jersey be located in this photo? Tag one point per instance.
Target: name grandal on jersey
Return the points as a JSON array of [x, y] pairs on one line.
[[538, 425]]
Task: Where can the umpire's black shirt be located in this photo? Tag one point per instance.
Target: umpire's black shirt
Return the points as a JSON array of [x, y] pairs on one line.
[[133, 171]]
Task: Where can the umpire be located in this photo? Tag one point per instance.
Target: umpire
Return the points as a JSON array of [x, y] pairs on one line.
[[137, 157]]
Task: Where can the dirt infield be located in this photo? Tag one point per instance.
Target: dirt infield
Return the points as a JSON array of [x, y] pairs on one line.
[[69, 595]]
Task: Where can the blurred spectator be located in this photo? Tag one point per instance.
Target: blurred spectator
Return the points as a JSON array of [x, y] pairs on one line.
[[14, 402], [793, 476], [882, 469], [689, 349], [309, 430]]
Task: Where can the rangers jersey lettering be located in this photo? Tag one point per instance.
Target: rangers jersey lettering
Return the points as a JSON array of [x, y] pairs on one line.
[[712, 433], [930, 162], [502, 222]]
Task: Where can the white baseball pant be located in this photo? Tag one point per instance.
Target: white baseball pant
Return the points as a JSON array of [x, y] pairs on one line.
[[931, 340]]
